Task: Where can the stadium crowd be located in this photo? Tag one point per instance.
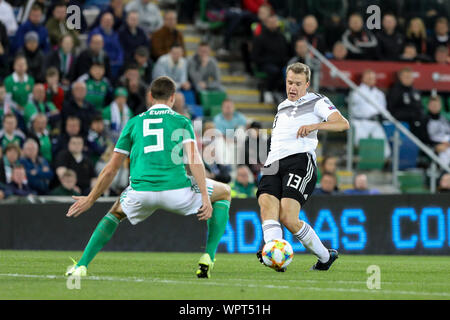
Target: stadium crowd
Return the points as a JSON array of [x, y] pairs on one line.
[[63, 102]]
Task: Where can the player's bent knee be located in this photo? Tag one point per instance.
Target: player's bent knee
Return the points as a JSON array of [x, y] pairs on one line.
[[117, 211]]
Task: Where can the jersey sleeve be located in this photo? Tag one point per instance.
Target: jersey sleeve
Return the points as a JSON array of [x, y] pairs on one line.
[[123, 144], [188, 132], [324, 107]]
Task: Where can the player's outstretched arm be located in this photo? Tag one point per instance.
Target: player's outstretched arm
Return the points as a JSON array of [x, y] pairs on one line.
[[335, 122], [198, 172], [104, 180]]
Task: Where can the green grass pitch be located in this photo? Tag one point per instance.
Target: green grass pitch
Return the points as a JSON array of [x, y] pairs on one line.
[[140, 275]]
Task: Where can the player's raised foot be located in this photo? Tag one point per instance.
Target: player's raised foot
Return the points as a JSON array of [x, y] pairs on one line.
[[205, 265], [75, 270], [325, 266]]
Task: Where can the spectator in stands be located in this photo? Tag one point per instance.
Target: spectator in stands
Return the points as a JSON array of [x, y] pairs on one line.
[[360, 43], [78, 106], [264, 12], [329, 165], [33, 24], [444, 183], [309, 33], [97, 139], [180, 105], [142, 59], [68, 185], [38, 104], [270, 54], [132, 36], [136, 88], [10, 133], [301, 52], [243, 186], [229, 119], [57, 26], [19, 182], [203, 70], [34, 55], [328, 184], [117, 114], [416, 33], [116, 8], [112, 44], [9, 160], [441, 55], [340, 51], [64, 60], [97, 85], [410, 54], [6, 104], [256, 148], [121, 179], [76, 160], [150, 18], [214, 150], [365, 117], [37, 168], [360, 186], [39, 132], [441, 36], [8, 18], [19, 84], [4, 51], [166, 37], [438, 128], [72, 128], [404, 103], [390, 41], [175, 66], [95, 53], [230, 12], [53, 91]]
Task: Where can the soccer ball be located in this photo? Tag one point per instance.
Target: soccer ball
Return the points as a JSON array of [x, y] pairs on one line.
[[277, 254]]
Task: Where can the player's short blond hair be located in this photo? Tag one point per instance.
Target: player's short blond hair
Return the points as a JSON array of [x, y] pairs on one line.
[[300, 68]]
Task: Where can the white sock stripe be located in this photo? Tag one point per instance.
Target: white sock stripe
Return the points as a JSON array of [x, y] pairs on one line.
[[304, 232]]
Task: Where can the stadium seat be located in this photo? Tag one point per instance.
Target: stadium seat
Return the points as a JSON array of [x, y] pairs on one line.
[[412, 182], [371, 154], [409, 152], [211, 100]]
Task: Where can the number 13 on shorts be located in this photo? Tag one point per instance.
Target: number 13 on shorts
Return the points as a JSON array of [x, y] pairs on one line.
[[294, 181]]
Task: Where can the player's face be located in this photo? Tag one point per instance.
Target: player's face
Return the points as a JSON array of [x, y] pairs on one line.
[[296, 85]]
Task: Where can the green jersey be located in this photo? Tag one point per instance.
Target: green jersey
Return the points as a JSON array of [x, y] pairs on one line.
[[19, 90], [154, 141]]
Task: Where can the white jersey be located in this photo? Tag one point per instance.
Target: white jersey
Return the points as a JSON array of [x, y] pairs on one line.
[[310, 109]]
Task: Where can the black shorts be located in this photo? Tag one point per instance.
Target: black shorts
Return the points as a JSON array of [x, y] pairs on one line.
[[292, 177]]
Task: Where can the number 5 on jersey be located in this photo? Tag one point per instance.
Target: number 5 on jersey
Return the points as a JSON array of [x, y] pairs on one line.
[[159, 133]]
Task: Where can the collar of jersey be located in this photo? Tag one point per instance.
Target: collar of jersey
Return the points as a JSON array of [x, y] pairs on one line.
[[288, 103], [159, 106]]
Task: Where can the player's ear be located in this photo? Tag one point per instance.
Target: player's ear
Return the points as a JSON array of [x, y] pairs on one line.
[[307, 84]]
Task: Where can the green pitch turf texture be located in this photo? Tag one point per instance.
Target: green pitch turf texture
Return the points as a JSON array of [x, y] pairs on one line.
[[140, 275]]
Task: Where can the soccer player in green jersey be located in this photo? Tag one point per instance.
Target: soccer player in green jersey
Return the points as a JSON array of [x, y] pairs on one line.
[[156, 142]]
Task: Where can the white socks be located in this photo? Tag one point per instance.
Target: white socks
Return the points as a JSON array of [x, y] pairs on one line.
[[309, 239], [272, 230]]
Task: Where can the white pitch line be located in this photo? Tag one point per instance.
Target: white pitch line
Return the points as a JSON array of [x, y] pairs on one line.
[[214, 283]]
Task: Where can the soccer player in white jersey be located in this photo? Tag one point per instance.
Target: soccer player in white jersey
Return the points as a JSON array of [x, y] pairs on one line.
[[156, 142], [289, 174]]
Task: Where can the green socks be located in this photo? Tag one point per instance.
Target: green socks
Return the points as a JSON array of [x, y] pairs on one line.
[[216, 226], [102, 234]]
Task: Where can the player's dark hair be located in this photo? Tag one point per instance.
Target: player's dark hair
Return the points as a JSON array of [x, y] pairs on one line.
[[162, 88]]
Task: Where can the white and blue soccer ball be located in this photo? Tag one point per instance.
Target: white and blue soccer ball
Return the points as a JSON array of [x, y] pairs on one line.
[[277, 254]]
